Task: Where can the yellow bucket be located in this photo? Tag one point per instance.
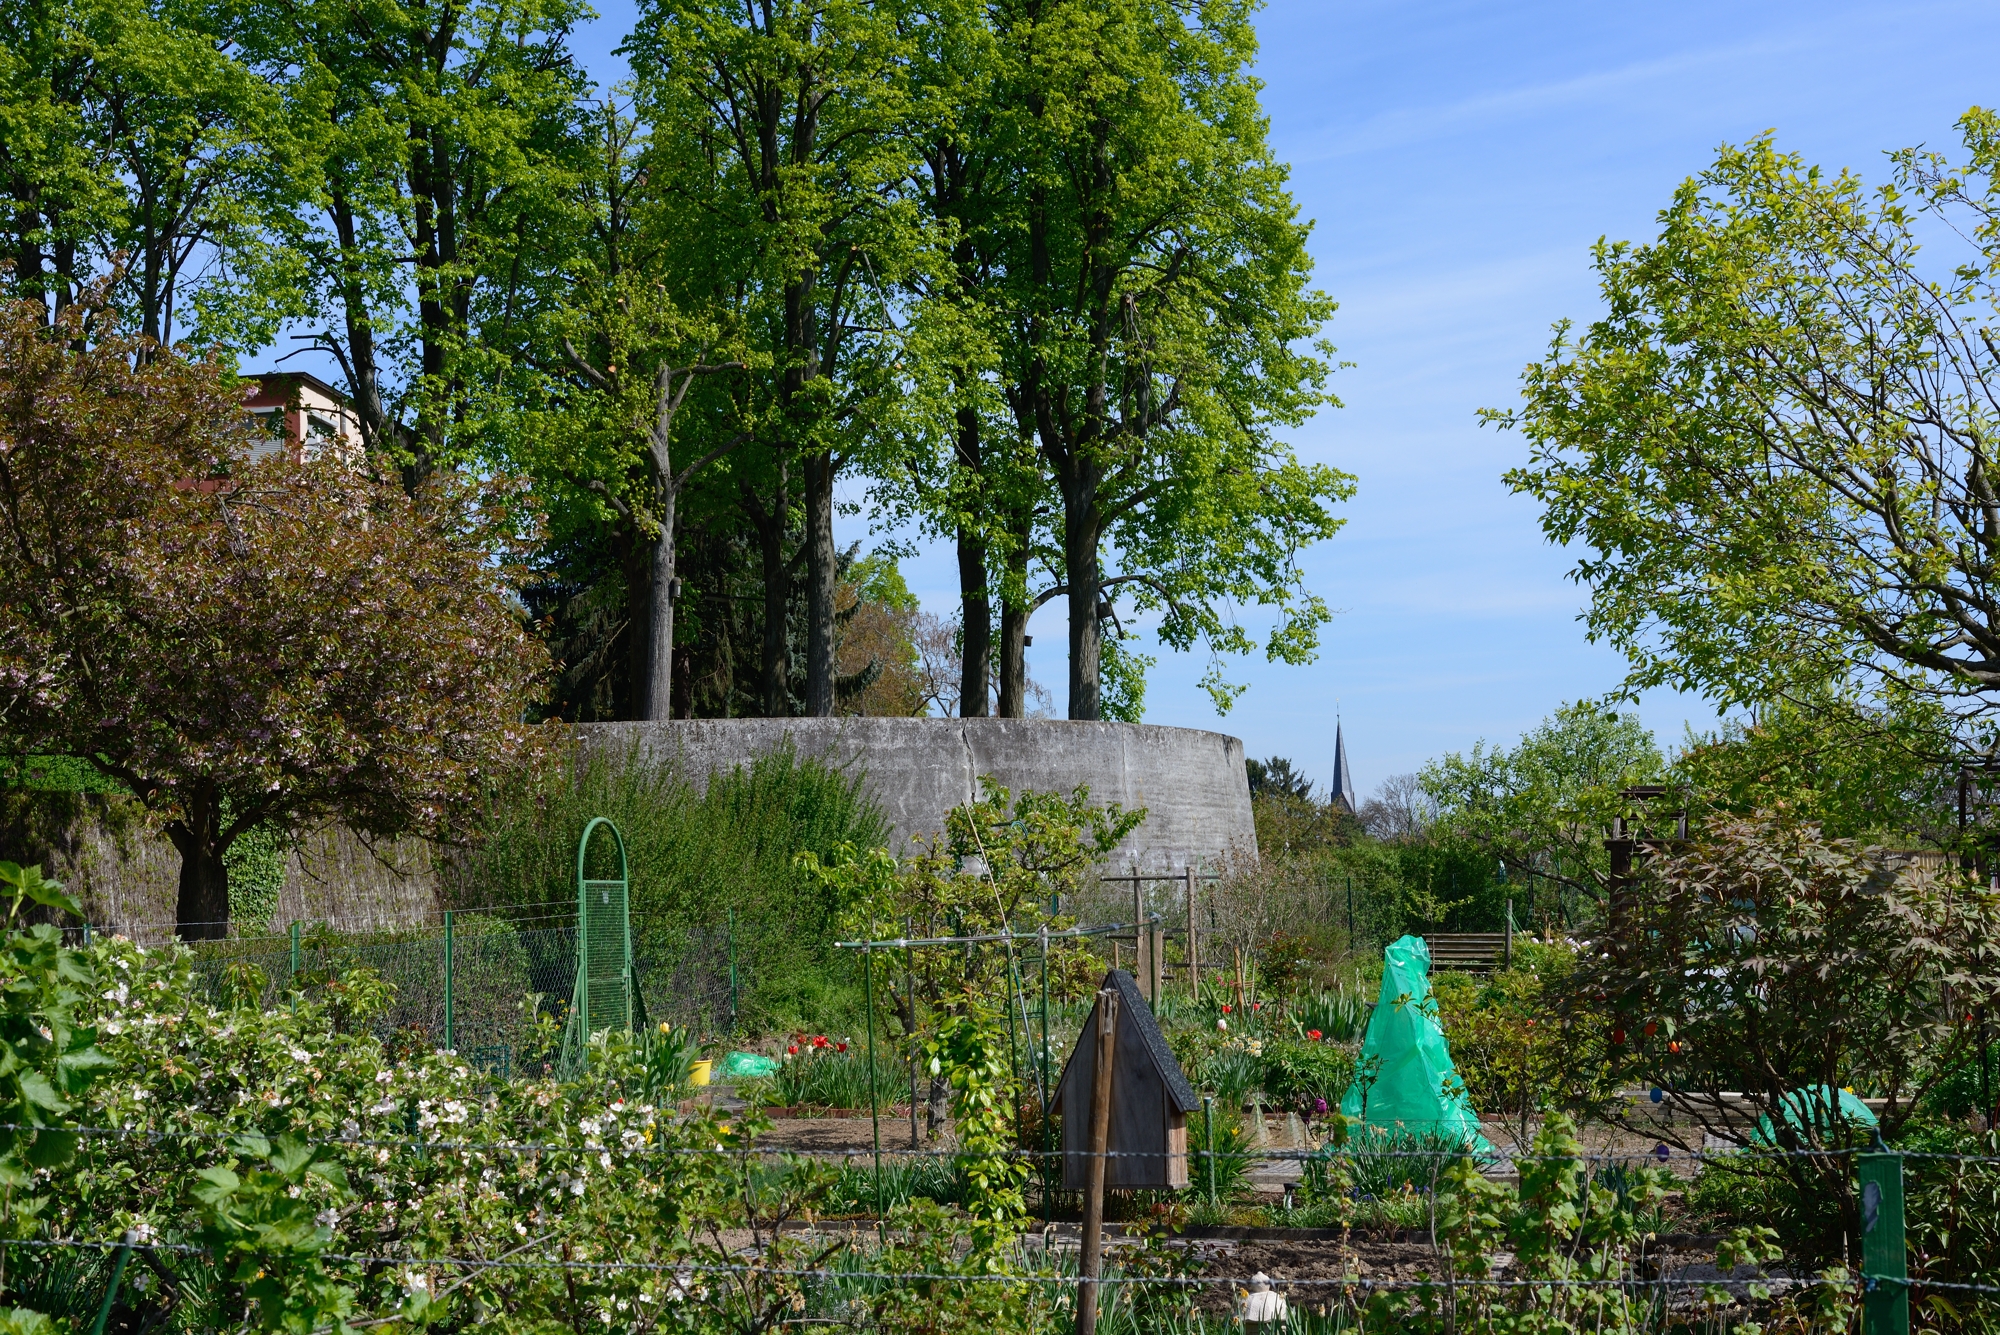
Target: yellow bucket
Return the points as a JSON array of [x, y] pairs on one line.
[[699, 1072]]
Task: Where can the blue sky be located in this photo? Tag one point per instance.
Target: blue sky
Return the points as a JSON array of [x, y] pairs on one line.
[[1459, 160]]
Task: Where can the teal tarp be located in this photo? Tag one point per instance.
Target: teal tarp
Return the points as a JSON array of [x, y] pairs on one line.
[[1405, 1079], [743, 1066], [1806, 1111]]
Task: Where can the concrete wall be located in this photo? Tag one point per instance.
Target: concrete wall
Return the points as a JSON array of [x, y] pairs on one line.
[[1191, 782], [127, 873]]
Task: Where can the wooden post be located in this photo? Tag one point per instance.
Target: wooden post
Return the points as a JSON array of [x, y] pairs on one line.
[[1193, 954], [1100, 1137], [1142, 940]]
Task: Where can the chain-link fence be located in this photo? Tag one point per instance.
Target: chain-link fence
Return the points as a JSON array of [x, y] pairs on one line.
[[480, 983]]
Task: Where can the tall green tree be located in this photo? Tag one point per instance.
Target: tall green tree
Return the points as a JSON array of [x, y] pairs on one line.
[[641, 326], [800, 118], [1541, 808], [134, 138], [1161, 312], [1777, 445], [445, 137]]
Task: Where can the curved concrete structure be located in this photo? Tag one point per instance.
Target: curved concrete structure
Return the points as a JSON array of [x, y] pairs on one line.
[[1192, 783]]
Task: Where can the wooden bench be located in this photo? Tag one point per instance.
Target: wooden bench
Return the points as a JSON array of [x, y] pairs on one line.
[[1479, 951]]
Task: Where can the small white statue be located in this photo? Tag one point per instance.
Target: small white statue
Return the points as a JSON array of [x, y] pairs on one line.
[[1260, 1304]]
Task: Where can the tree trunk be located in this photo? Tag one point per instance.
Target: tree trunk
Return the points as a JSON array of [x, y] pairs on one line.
[[820, 579], [657, 697], [976, 637], [1013, 662], [201, 912], [776, 667], [1080, 483]]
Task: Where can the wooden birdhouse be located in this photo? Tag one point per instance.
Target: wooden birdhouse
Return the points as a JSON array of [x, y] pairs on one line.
[[1150, 1100]]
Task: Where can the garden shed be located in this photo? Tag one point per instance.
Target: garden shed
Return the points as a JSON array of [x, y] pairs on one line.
[[1150, 1100]]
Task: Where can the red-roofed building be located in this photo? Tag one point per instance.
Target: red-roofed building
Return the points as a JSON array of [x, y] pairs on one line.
[[304, 416]]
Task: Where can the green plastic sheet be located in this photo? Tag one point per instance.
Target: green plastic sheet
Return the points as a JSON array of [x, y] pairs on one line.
[[743, 1066], [1806, 1111], [1405, 1082]]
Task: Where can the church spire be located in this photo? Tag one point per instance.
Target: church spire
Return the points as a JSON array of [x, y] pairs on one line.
[[1343, 785]]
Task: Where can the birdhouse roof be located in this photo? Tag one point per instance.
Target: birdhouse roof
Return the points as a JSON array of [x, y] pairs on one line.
[[1133, 1010]]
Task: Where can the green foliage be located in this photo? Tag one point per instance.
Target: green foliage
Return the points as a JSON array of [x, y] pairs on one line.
[[1339, 1016], [49, 1059], [1513, 1043], [257, 861], [1772, 447], [1567, 1236], [1541, 808], [1307, 1077], [829, 1078], [968, 1052], [1768, 960], [265, 1231], [1857, 772], [694, 855]]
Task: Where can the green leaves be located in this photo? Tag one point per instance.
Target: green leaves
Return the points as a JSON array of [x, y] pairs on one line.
[[1777, 444], [27, 883], [268, 1224]]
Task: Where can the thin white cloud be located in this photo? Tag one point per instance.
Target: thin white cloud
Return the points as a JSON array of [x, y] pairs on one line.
[[1404, 126]]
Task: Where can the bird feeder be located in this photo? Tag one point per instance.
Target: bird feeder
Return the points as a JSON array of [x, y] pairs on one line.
[[1150, 1100]]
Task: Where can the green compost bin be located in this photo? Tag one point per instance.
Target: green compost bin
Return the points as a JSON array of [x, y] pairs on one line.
[[1405, 1082]]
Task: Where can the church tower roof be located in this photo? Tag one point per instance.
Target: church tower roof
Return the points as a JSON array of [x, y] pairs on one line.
[[1343, 784]]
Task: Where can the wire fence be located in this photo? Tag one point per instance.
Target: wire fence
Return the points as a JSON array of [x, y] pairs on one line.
[[477, 983]]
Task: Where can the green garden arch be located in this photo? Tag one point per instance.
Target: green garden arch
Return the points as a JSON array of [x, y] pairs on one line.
[[605, 997]]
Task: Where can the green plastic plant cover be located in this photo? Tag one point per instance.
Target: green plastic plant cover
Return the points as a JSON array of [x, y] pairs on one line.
[[743, 1066], [1804, 1108], [1405, 1082]]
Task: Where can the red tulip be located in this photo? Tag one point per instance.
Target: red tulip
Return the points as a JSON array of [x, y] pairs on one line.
[[1313, 1034], [841, 1047], [793, 1050], [1226, 1008], [1618, 1036]]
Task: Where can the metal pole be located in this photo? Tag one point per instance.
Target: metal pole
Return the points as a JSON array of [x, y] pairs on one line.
[[1101, 1072], [450, 1043], [910, 986], [874, 1109], [1350, 912], [291, 980], [1208, 1129], [1048, 1145], [1193, 955], [1507, 961], [111, 1294], [732, 975]]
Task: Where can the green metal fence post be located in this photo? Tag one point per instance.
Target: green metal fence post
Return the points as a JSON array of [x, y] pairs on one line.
[[1208, 1130], [1350, 913], [1885, 1267], [1048, 1142], [874, 1101], [732, 974], [291, 979], [111, 1294], [450, 1043]]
